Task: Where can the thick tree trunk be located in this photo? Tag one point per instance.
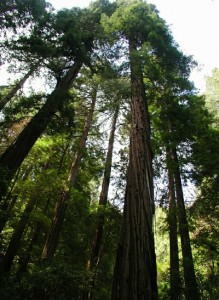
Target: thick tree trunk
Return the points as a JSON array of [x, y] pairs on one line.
[[95, 251], [175, 284], [60, 209], [16, 88], [135, 269], [13, 157], [191, 288]]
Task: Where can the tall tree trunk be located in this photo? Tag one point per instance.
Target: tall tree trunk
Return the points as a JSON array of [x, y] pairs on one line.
[[191, 288], [17, 87], [60, 209], [13, 157], [135, 269], [95, 251], [175, 284]]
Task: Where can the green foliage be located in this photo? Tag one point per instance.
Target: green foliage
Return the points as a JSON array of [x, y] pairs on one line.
[[98, 37], [162, 252], [75, 29], [16, 13], [212, 94], [206, 214], [58, 281]]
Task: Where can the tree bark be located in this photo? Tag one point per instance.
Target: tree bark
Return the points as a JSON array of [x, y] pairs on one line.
[[95, 251], [13, 157], [135, 268], [16, 88], [60, 209], [175, 284], [191, 288]]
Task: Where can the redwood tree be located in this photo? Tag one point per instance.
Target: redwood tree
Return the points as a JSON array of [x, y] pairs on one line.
[[135, 268]]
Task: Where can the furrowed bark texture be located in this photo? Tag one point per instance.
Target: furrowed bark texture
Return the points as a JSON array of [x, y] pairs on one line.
[[191, 288], [60, 209], [13, 157], [135, 269], [175, 284]]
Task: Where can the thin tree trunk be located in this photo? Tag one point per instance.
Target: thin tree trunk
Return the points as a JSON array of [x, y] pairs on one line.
[[13, 157], [14, 243], [17, 235], [191, 288], [95, 251], [16, 88], [94, 258], [60, 209], [6, 212], [10, 201], [175, 284], [135, 269], [37, 232], [25, 258]]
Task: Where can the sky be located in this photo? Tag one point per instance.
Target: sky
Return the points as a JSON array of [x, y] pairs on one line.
[[194, 25]]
